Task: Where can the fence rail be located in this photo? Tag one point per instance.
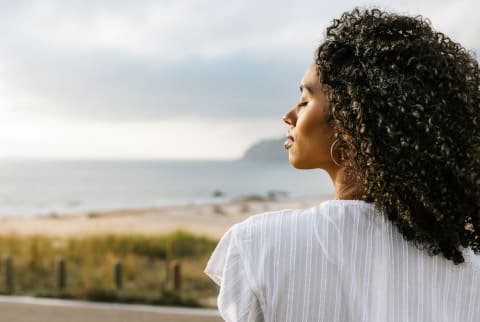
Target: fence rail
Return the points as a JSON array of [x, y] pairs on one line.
[[117, 275]]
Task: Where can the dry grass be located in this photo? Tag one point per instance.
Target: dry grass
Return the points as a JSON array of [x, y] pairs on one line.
[[90, 261]]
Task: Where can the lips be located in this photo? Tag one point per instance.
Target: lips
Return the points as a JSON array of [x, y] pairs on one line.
[[288, 142]]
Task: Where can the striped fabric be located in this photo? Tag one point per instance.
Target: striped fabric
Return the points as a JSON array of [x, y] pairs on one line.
[[338, 261]]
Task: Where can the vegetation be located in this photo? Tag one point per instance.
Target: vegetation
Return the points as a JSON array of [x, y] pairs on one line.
[[147, 261]]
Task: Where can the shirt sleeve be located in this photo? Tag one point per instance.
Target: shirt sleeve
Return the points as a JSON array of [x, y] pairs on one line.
[[236, 300]]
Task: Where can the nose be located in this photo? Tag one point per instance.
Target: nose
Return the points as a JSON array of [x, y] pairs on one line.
[[290, 117]]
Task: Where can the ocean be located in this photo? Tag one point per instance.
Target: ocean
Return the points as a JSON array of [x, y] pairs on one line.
[[32, 188]]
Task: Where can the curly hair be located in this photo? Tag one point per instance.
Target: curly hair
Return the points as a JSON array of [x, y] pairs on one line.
[[405, 102]]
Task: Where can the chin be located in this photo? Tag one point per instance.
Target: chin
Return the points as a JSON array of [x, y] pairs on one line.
[[301, 164]]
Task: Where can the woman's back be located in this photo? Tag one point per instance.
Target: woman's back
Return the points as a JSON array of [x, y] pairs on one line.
[[339, 261]]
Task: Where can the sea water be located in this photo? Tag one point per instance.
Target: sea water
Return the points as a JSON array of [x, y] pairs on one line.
[[47, 187]]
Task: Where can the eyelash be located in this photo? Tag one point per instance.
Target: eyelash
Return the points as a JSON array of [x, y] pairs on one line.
[[301, 104]]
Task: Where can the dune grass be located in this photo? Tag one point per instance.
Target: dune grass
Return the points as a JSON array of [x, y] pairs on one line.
[[147, 261]]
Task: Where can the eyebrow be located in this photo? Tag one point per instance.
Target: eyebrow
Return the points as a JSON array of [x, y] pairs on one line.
[[306, 87]]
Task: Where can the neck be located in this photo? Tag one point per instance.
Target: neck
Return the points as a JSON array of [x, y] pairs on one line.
[[347, 187]]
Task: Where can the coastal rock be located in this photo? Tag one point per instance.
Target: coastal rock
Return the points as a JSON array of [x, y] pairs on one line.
[[267, 150]]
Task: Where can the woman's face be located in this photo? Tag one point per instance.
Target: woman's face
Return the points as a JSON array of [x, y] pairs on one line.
[[309, 136]]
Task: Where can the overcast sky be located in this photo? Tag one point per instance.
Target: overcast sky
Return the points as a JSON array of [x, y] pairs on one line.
[[188, 79]]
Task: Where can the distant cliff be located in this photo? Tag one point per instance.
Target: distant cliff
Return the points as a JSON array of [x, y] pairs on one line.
[[267, 150]]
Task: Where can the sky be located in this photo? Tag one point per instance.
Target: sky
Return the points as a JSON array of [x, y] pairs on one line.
[[183, 79]]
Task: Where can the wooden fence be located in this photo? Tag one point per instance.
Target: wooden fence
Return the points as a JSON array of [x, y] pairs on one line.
[[62, 274]]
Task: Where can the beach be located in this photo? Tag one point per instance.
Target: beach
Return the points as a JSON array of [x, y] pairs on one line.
[[209, 219]]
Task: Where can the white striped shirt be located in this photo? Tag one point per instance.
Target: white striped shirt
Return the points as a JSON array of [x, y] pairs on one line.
[[339, 261]]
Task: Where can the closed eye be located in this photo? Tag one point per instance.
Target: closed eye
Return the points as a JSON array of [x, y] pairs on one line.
[[301, 104]]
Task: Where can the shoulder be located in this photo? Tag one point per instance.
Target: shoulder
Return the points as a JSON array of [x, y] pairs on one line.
[[293, 223], [326, 213], [258, 241], [266, 222]]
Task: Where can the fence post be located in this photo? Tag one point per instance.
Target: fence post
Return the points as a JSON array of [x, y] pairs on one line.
[[177, 276], [8, 266], [117, 273], [62, 273], [168, 257]]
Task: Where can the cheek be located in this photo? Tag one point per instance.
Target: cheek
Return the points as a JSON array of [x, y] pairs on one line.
[[313, 127], [315, 137]]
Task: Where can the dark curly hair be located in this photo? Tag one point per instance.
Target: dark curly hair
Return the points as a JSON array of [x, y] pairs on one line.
[[405, 103]]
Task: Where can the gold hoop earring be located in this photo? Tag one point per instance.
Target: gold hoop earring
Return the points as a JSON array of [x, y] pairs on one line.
[[331, 153]]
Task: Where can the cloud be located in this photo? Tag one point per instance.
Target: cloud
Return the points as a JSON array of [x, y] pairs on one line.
[[182, 138], [150, 61], [145, 61], [119, 88]]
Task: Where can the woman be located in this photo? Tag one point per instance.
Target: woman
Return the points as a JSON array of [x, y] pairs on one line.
[[390, 109]]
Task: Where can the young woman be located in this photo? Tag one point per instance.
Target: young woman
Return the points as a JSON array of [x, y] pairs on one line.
[[391, 110]]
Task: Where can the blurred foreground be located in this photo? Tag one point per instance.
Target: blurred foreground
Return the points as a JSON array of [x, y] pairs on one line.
[[151, 256], [20, 309], [128, 268]]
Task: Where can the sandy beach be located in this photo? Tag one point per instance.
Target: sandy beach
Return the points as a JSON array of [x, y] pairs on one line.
[[206, 219]]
